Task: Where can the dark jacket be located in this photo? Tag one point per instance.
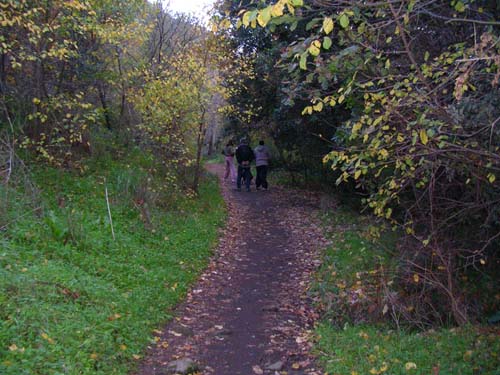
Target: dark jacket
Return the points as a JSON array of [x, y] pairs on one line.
[[244, 154]]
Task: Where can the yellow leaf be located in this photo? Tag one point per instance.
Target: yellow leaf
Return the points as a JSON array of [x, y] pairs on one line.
[[93, 356], [313, 50], [296, 366], [410, 366], [423, 136], [13, 347], [491, 178], [277, 10], [327, 25], [357, 174], [264, 16], [364, 335], [114, 317], [246, 19], [318, 107], [416, 278]]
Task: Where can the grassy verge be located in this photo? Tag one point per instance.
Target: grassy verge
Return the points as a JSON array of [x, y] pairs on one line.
[[75, 301], [356, 338]]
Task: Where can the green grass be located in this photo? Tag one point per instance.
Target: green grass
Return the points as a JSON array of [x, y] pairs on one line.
[[357, 338], [352, 269], [379, 350], [75, 301], [216, 158]]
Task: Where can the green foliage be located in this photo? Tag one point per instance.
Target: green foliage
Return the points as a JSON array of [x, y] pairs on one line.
[[72, 299]]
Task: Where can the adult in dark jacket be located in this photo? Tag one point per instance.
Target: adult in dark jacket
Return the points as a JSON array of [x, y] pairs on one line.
[[244, 157]]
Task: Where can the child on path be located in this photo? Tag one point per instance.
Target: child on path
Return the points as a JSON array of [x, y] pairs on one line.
[[262, 156], [244, 156], [228, 153]]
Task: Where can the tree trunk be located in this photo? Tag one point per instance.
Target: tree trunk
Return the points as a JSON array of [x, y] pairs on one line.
[[102, 97], [199, 148]]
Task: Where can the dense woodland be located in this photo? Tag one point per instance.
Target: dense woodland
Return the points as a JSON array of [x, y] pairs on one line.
[[396, 103], [392, 106]]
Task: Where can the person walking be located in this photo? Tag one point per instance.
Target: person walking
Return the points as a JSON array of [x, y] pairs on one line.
[[228, 153], [244, 157], [262, 157]]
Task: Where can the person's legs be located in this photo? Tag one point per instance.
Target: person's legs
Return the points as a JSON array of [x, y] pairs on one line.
[[263, 176], [258, 180], [247, 178], [232, 170], [241, 174], [226, 174]]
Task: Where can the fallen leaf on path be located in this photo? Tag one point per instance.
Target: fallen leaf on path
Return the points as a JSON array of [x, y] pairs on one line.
[[257, 370]]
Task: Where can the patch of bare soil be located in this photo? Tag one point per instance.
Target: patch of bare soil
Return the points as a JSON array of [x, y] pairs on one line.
[[250, 312]]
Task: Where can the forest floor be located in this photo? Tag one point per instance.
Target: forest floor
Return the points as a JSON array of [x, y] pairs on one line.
[[250, 312]]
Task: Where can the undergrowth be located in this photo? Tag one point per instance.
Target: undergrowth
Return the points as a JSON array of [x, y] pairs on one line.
[[75, 301], [357, 335]]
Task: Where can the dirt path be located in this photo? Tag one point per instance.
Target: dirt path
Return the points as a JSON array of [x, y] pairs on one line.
[[250, 312]]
